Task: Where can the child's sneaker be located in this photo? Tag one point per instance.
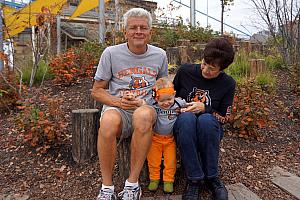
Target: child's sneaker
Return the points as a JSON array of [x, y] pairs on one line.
[[106, 194], [153, 185], [130, 193], [168, 187]]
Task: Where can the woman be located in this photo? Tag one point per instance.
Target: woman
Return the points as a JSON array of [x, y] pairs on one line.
[[209, 91]]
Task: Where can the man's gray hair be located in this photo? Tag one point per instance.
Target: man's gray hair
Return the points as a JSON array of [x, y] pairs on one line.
[[137, 12]]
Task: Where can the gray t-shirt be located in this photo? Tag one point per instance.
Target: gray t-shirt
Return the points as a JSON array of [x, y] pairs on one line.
[[127, 71], [166, 118]]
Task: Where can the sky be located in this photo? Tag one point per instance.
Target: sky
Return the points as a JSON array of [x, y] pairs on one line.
[[240, 16]]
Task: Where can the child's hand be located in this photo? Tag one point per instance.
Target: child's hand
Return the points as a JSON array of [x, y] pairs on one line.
[[130, 96], [141, 102], [194, 107]]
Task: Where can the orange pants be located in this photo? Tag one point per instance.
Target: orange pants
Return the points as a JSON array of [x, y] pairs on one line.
[[162, 146]]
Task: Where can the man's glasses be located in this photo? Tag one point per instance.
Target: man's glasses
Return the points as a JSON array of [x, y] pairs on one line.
[[135, 29]]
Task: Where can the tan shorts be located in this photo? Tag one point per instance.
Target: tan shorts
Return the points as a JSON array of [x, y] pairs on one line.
[[126, 116]]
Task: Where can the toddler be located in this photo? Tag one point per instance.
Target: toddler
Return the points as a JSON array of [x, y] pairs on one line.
[[163, 144]]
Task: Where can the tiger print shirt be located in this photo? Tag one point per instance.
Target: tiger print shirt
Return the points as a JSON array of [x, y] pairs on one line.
[[217, 93]]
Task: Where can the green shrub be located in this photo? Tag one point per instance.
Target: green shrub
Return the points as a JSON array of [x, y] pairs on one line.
[[26, 70], [93, 49], [168, 35], [240, 67], [195, 34], [169, 38], [256, 55], [42, 70], [274, 62], [266, 81]]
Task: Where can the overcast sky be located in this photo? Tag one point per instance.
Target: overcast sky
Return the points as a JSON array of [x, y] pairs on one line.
[[241, 15]]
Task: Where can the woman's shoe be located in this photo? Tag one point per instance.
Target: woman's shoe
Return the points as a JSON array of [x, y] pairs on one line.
[[153, 185], [168, 187]]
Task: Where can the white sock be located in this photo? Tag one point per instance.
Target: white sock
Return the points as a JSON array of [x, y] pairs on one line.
[[111, 187], [128, 184]]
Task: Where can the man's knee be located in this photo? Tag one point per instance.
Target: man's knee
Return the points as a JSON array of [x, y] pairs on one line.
[[144, 118], [110, 124]]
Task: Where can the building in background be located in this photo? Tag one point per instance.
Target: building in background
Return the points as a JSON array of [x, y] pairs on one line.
[[80, 29], [261, 37]]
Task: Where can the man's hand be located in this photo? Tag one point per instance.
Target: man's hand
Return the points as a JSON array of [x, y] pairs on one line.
[[129, 101], [194, 107]]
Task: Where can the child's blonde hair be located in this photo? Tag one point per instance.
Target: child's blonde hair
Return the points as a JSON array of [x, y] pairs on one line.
[[163, 82]]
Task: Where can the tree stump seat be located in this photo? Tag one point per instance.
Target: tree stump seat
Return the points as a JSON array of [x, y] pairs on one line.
[[85, 125]]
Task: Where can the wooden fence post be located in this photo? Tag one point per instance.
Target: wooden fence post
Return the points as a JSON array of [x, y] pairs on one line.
[[173, 55], [257, 66], [184, 58], [85, 125]]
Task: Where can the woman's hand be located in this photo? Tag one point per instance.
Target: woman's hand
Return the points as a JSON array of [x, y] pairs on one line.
[[194, 107]]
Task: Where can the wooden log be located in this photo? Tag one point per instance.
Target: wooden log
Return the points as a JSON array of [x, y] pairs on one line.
[[124, 162], [85, 125], [261, 65], [184, 58], [253, 67], [173, 55], [257, 66]]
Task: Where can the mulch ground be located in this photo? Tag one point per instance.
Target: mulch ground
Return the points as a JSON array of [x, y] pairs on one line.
[[54, 175]]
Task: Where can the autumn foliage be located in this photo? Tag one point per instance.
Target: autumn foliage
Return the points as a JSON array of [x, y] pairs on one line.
[[250, 112], [67, 70], [76, 63], [42, 124], [8, 86]]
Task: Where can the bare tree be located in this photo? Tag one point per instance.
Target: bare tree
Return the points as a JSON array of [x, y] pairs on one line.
[[40, 40], [282, 20], [224, 4], [117, 20]]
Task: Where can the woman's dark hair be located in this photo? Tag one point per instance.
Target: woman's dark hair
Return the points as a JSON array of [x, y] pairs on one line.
[[219, 52]]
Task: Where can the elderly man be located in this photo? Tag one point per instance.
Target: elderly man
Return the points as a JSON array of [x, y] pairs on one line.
[[126, 74]]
